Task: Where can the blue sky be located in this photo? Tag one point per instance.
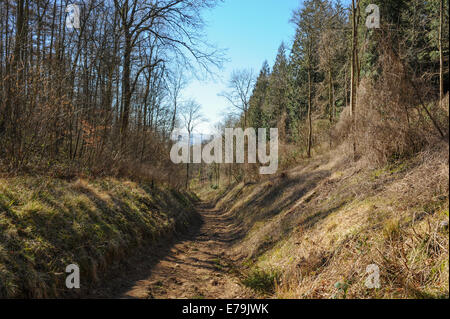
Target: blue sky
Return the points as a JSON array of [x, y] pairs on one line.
[[251, 31]]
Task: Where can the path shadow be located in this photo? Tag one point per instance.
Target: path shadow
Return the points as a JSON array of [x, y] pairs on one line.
[[122, 277]]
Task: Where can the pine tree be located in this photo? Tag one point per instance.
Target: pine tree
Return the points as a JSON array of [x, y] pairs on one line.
[[257, 116], [276, 105], [311, 21]]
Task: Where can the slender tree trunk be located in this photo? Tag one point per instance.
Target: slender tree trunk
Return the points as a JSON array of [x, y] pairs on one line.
[[126, 82], [245, 118], [20, 32], [330, 96], [330, 103], [218, 175], [187, 175], [1, 51], [174, 117], [18, 67], [309, 114], [354, 68], [189, 159], [346, 87], [441, 54]]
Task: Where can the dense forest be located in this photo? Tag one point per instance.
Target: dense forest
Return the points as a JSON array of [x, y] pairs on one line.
[[102, 98], [375, 89]]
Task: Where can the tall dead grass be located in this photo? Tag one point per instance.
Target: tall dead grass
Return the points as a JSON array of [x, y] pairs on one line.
[[395, 118]]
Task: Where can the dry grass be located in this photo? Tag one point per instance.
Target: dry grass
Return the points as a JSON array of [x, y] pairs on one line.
[[394, 118], [323, 224]]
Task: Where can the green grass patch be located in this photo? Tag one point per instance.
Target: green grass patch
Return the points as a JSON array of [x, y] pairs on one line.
[[262, 281]]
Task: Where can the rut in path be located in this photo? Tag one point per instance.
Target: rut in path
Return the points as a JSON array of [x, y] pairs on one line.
[[197, 266]]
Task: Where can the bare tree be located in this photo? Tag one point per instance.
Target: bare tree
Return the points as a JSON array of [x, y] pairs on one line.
[[175, 24], [175, 82], [192, 117], [96, 98], [240, 88]]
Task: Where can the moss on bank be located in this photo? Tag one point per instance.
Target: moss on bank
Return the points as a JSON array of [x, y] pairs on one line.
[[47, 224]]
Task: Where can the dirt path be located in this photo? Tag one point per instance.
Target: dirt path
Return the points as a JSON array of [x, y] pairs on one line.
[[197, 266]]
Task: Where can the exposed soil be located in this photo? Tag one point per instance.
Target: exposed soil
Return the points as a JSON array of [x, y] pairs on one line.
[[196, 265]]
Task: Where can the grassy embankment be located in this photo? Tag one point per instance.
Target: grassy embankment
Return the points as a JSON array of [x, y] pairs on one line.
[[312, 231], [47, 224]]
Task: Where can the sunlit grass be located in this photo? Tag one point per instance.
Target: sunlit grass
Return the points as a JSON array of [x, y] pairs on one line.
[[47, 224]]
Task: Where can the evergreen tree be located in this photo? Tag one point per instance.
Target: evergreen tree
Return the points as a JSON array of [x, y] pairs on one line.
[[257, 116], [311, 20], [276, 105]]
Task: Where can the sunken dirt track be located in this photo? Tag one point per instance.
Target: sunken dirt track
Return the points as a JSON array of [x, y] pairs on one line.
[[195, 265]]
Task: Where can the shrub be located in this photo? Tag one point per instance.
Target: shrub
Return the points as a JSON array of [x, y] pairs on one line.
[[391, 122]]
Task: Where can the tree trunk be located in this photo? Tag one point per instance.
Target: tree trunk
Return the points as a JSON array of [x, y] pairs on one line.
[[330, 96], [20, 32], [189, 159], [330, 103], [174, 117], [309, 114], [126, 82], [187, 175], [354, 67], [441, 54]]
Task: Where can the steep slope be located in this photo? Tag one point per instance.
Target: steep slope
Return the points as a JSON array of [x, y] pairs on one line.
[[313, 231], [47, 224]]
